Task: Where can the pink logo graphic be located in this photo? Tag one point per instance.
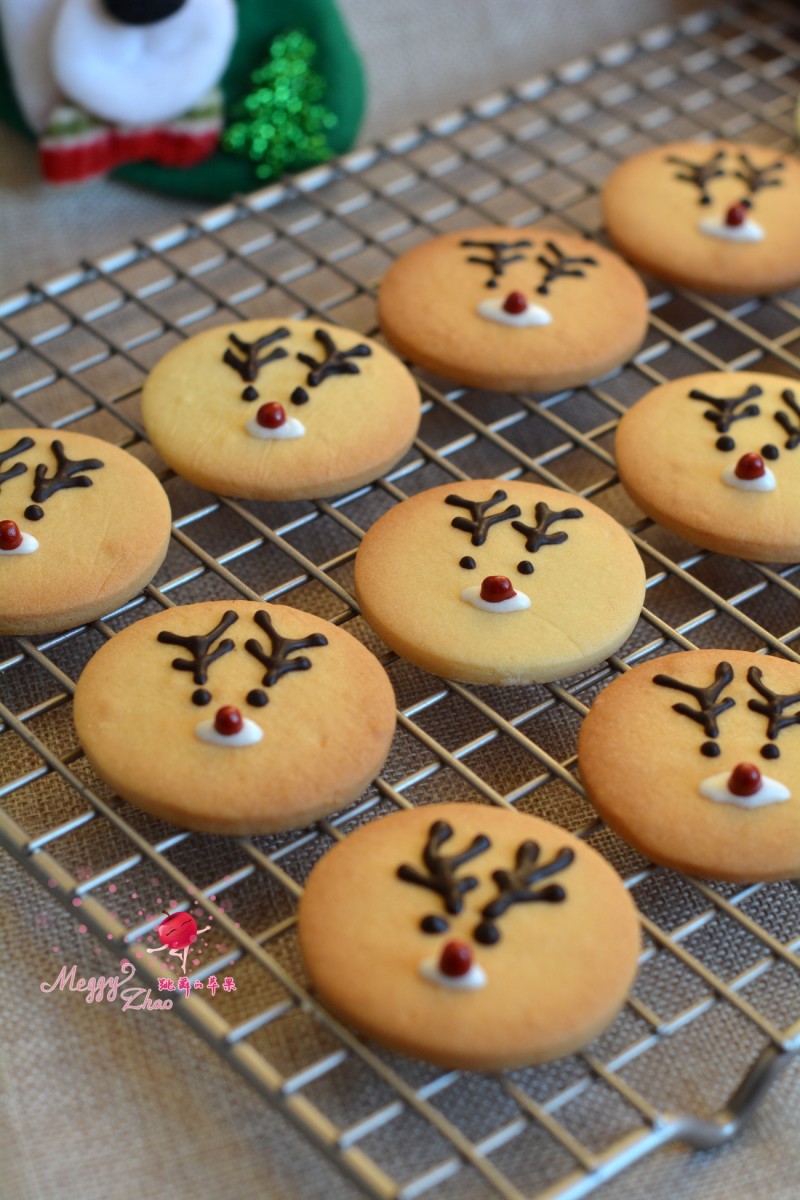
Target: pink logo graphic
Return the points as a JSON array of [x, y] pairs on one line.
[[179, 932]]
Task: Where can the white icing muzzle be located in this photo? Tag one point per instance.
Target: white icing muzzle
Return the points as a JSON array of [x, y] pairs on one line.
[[28, 545], [764, 483], [748, 231], [291, 428], [248, 735], [514, 603], [474, 978], [493, 310], [715, 787]]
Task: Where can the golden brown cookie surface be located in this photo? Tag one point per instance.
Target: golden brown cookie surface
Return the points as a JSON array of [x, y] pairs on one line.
[[423, 568], [83, 527], [312, 718], [280, 410], [663, 776], [469, 936], [716, 216], [513, 309], [716, 458]]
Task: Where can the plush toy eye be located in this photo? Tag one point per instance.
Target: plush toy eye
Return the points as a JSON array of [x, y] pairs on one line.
[[142, 12]]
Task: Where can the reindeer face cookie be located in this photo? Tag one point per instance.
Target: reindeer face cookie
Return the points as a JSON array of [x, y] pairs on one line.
[[513, 309], [495, 582], [470, 936], [716, 458], [235, 718], [695, 760], [716, 216], [83, 527], [269, 410]]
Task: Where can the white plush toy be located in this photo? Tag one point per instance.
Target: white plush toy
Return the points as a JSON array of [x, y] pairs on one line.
[[110, 81]]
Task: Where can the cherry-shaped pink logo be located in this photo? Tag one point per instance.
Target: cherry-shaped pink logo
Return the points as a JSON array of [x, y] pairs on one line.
[[178, 931]]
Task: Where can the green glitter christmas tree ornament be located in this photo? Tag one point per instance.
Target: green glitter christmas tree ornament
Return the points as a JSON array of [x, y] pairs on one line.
[[283, 122]]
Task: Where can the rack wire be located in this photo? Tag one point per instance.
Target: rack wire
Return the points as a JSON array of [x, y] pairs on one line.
[[716, 1009]]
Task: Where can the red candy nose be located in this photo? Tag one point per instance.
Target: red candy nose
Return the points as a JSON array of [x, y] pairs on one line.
[[228, 720], [745, 779], [736, 215], [515, 302], [455, 959], [496, 588], [749, 466], [10, 536], [271, 415]]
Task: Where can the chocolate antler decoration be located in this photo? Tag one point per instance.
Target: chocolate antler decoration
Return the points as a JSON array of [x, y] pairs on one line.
[[537, 535], [560, 264], [66, 474], [709, 706], [700, 174], [248, 367], [199, 646], [724, 408], [280, 662], [501, 256], [772, 707], [19, 468], [442, 868], [518, 886], [335, 362], [786, 423], [481, 522], [756, 177]]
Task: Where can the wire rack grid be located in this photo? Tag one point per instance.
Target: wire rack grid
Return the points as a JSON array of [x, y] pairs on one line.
[[716, 1009]]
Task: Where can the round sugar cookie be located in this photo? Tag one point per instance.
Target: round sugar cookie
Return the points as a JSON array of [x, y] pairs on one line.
[[280, 410], [513, 309], [490, 581], [84, 526], [470, 936], [716, 216], [694, 759], [235, 717], [716, 458]]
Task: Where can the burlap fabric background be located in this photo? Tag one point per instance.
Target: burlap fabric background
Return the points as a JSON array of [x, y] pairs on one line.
[[96, 1103]]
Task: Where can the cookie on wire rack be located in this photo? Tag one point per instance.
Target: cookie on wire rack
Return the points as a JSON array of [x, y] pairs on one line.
[[513, 309], [716, 459], [501, 582], [84, 526], [716, 216], [280, 410], [694, 759], [469, 936], [235, 717]]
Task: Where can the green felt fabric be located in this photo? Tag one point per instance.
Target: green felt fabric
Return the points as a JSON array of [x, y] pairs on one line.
[[259, 21]]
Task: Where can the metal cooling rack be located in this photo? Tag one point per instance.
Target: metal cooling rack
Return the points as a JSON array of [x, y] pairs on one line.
[[716, 1009]]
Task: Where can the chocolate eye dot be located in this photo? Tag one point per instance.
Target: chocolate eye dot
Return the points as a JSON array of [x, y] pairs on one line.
[[770, 451], [487, 934], [705, 199], [249, 393], [710, 749], [725, 443], [492, 283], [201, 696], [543, 289], [770, 751], [34, 513], [257, 698], [525, 567], [467, 563], [433, 925], [299, 396]]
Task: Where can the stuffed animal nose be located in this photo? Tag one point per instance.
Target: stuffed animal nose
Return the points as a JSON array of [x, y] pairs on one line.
[[142, 12]]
